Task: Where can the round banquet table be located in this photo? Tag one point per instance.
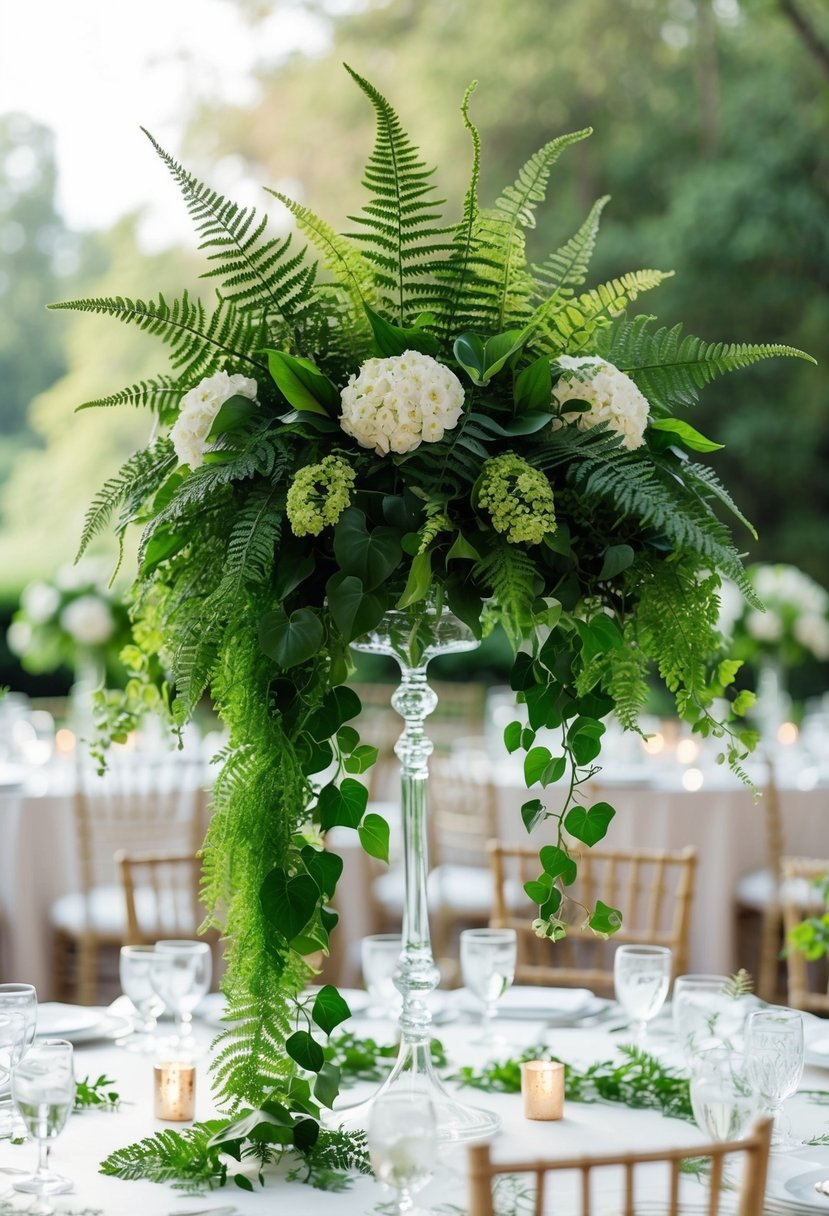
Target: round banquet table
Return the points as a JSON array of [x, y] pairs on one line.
[[586, 1128]]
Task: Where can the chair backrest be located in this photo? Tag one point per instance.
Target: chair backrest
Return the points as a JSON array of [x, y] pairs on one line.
[[754, 1151], [161, 892], [653, 891], [773, 823], [462, 812], [144, 801], [800, 899]]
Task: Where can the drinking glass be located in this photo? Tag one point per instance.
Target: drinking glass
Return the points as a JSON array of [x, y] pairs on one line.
[[774, 1051], [723, 1098], [43, 1086], [18, 1002], [380, 955], [180, 973], [488, 959], [705, 1015], [135, 969], [641, 975], [402, 1141]]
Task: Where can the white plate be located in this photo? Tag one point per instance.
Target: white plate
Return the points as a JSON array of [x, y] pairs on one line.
[[534, 1003], [817, 1046], [56, 1021], [801, 1188]]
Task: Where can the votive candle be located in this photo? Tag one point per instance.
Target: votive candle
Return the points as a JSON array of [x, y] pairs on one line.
[[174, 1091], [542, 1088]]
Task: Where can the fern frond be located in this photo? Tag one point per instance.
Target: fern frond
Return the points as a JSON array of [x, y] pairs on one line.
[[200, 343], [160, 394], [253, 540], [182, 1158], [513, 578], [676, 627], [671, 368], [567, 267], [401, 224], [264, 275], [710, 486], [250, 1057], [458, 269], [143, 473], [573, 324]]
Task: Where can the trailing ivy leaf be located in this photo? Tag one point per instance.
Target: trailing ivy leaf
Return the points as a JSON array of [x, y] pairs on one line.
[[289, 903], [306, 1134], [687, 435], [535, 762], [325, 868], [347, 739], [533, 387], [354, 610], [338, 706], [329, 1009], [394, 340], [589, 825], [307, 1052], [370, 555], [616, 559], [538, 889], [302, 383], [605, 920], [374, 836], [292, 569], [533, 813], [557, 864], [552, 904], [290, 640], [361, 759], [512, 736], [341, 807], [327, 1084]]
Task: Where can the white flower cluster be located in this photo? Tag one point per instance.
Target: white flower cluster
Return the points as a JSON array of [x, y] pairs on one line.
[[613, 397], [394, 404], [198, 411], [88, 620], [794, 603]]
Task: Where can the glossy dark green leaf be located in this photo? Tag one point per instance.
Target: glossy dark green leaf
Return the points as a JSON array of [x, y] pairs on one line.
[[289, 902], [370, 554], [302, 384], [290, 640], [557, 864], [324, 867], [163, 543], [533, 813], [393, 340], [605, 920], [616, 559], [535, 762], [306, 1133], [232, 414], [343, 806], [512, 736], [552, 905], [469, 352], [347, 739], [533, 387], [374, 837], [590, 824], [499, 349], [329, 1009], [465, 601], [305, 1050], [538, 889], [462, 550], [338, 706], [327, 1084], [522, 676], [354, 610]]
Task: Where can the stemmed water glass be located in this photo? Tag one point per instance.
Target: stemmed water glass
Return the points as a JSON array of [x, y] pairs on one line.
[[380, 955], [488, 958], [180, 973], [723, 1098], [641, 976], [18, 1002], [43, 1086], [705, 1015], [402, 1141], [135, 969], [774, 1052]]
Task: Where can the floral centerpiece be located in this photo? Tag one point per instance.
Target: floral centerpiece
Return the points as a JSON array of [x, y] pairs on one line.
[[416, 416], [73, 620], [794, 626]]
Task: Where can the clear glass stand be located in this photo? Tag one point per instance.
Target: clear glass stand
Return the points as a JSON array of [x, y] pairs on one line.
[[413, 638]]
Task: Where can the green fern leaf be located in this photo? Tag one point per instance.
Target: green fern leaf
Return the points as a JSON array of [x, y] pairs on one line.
[[573, 323], [567, 267], [182, 1158], [458, 272], [141, 475], [513, 578], [160, 394]]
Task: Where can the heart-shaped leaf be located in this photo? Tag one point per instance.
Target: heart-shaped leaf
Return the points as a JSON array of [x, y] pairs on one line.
[[329, 1009], [605, 920], [589, 825], [616, 559], [532, 813], [327, 1084], [535, 762], [338, 706], [354, 610], [374, 837], [341, 807], [289, 902], [557, 864], [290, 640], [538, 889], [370, 555], [305, 1050], [324, 867]]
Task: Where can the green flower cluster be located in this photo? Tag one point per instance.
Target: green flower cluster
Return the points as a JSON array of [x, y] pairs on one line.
[[519, 499], [318, 495]]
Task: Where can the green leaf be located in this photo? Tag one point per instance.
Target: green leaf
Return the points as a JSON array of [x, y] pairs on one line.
[[605, 920], [533, 387], [371, 556], [354, 610], [512, 736], [465, 602], [243, 1182], [329, 1009], [324, 867], [469, 352], [418, 582], [347, 739], [343, 806], [290, 640], [524, 424], [393, 340], [361, 759], [305, 1050], [552, 905], [687, 435], [232, 414], [616, 559], [338, 706], [535, 762], [306, 1133], [533, 813], [461, 548], [289, 903], [374, 836], [554, 771], [727, 670], [327, 1084], [743, 702], [538, 889], [557, 864], [499, 349], [599, 635], [162, 544], [302, 383], [589, 825]]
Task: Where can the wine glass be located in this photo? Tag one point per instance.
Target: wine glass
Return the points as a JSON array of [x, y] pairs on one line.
[[488, 959], [704, 1014], [135, 969], [18, 1002], [379, 955], [402, 1142], [180, 973], [43, 1086], [723, 1098], [774, 1051], [641, 976]]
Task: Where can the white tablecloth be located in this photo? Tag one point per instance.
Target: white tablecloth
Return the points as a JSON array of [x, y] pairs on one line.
[[586, 1128]]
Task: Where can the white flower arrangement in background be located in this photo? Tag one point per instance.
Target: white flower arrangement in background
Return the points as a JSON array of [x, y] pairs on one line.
[[795, 625], [395, 404], [612, 396], [198, 410]]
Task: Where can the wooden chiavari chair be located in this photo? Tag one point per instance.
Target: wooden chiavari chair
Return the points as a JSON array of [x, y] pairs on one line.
[[801, 898], [653, 891], [161, 896], [754, 1150]]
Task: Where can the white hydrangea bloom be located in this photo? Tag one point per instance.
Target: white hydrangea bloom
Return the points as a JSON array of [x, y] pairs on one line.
[[395, 404], [198, 411], [613, 397], [783, 584], [19, 637], [764, 626], [88, 620], [812, 632], [40, 602]]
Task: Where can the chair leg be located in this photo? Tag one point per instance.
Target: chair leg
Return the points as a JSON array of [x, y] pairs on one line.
[[770, 928], [86, 979]]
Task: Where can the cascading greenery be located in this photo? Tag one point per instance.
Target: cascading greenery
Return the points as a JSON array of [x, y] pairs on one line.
[[599, 556]]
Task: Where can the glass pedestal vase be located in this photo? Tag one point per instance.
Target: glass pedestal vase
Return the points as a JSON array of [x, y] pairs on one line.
[[413, 638]]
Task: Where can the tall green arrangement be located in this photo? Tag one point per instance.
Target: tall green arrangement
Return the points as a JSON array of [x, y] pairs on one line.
[[420, 416]]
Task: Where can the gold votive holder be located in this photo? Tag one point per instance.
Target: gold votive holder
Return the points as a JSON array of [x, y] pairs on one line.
[[542, 1088], [174, 1091]]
